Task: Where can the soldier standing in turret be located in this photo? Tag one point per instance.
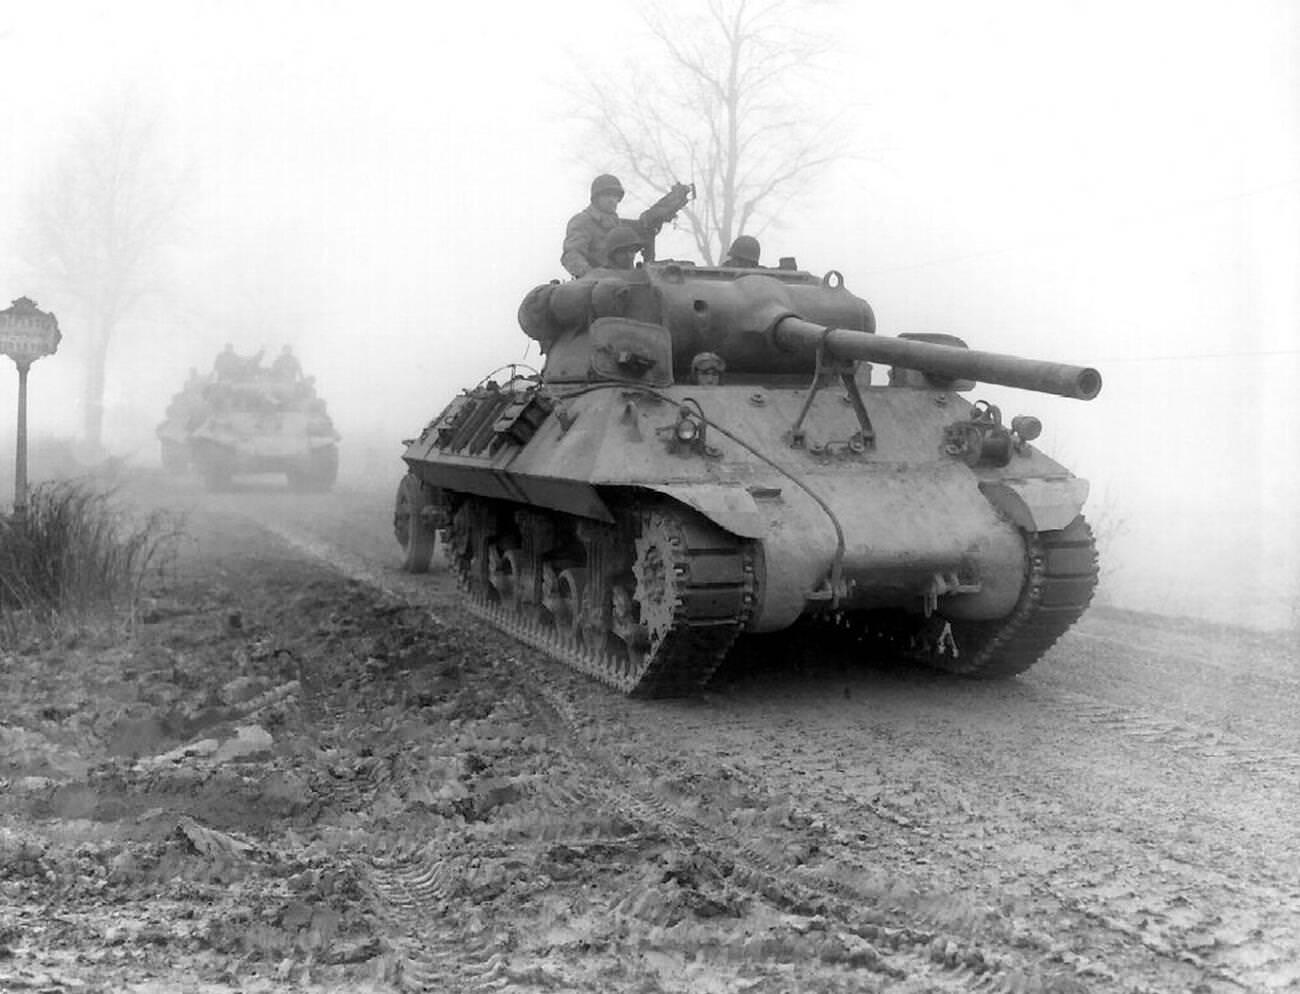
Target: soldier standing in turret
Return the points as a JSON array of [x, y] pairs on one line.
[[286, 366], [227, 365], [584, 238]]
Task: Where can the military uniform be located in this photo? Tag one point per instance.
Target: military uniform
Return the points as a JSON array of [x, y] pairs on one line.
[[584, 238], [228, 365], [286, 366]]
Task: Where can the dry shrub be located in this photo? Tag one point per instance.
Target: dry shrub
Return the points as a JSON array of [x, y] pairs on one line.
[[77, 555]]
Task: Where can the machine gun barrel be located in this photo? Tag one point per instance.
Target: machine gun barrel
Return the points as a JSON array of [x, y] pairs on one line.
[[793, 334]]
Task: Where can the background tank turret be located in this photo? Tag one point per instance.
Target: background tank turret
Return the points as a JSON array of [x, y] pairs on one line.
[[634, 523]]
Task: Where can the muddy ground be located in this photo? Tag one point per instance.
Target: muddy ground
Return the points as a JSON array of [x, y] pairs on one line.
[[302, 770]]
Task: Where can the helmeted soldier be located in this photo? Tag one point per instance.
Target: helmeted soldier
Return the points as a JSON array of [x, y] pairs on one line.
[[621, 246], [228, 364], [587, 231], [286, 366], [744, 253]]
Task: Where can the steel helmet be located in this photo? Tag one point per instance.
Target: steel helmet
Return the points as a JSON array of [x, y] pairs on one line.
[[708, 360], [623, 236], [746, 249], [605, 183]]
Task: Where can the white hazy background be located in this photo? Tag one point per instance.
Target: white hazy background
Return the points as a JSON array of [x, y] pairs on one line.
[[378, 184]]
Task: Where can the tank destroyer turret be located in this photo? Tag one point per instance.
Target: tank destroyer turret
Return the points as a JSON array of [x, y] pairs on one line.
[[633, 518]]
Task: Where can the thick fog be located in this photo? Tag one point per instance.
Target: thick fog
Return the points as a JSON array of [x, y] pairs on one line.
[[378, 184]]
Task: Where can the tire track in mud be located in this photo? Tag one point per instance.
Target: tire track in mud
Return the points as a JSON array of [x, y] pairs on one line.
[[897, 933]]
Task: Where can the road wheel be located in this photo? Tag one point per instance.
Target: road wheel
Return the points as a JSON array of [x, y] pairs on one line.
[[410, 526]]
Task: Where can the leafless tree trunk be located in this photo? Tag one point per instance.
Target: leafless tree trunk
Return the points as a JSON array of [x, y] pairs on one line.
[[98, 227], [733, 106]]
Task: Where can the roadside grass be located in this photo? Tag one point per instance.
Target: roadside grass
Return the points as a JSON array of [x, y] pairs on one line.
[[77, 560]]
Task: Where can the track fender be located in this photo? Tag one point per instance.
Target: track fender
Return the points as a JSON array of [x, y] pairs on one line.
[[1038, 505], [728, 506]]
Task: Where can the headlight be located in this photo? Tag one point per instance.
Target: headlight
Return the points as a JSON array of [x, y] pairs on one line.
[[688, 430], [1027, 427]]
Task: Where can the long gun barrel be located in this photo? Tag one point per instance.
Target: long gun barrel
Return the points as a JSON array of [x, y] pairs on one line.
[[793, 334]]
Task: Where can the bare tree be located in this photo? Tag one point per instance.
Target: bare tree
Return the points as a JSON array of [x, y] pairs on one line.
[[98, 227], [724, 111]]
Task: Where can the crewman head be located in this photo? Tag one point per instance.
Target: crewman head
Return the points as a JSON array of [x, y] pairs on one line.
[[707, 369], [744, 252], [621, 247]]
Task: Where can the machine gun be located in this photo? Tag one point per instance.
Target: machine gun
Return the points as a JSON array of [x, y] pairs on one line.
[[661, 212]]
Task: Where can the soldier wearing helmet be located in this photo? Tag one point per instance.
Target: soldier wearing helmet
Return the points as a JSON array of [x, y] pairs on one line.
[[227, 365], [707, 369], [589, 229], [744, 253], [286, 366], [621, 247]]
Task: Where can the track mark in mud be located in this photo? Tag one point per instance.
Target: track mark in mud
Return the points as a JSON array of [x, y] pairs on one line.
[[1181, 737], [968, 941], [1170, 924], [841, 909]]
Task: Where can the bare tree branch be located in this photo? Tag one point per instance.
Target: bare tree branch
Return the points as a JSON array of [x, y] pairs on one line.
[[719, 96], [98, 226]]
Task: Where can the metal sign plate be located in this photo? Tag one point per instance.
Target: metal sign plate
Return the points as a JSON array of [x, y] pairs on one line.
[[27, 333]]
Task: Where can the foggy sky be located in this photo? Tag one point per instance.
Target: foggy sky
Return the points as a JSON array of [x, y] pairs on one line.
[[1116, 184]]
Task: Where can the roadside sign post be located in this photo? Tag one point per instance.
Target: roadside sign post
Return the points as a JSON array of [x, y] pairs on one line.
[[26, 334]]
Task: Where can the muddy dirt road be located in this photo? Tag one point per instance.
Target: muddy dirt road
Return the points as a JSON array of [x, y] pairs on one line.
[[305, 770]]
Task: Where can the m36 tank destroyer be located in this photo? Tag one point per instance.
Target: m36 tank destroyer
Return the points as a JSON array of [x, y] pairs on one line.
[[633, 519], [245, 419]]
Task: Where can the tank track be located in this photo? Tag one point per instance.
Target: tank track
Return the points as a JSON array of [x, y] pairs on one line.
[[1058, 589], [708, 605], [1061, 576]]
